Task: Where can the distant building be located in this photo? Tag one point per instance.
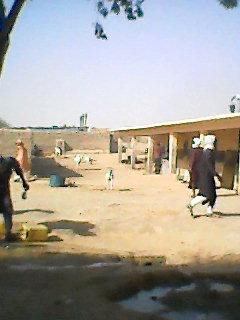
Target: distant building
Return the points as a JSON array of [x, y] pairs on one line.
[[83, 122]]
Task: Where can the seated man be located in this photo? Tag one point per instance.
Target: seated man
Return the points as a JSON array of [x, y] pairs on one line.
[[7, 165]]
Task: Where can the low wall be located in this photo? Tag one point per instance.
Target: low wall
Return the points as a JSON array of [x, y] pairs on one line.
[[8, 139], [46, 141]]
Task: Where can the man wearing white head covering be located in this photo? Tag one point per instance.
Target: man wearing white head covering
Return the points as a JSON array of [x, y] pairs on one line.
[[194, 160], [207, 187]]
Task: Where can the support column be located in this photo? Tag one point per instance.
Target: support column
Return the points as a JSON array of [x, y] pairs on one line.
[[120, 144], [238, 185], [149, 167], [172, 152], [133, 155], [31, 144], [202, 135]]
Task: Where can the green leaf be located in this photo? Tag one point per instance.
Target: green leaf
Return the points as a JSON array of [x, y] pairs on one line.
[[229, 4], [115, 8]]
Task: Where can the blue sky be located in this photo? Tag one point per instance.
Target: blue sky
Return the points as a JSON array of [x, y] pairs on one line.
[[180, 61]]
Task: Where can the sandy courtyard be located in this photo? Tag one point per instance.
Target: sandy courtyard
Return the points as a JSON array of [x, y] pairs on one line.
[[143, 215], [106, 240]]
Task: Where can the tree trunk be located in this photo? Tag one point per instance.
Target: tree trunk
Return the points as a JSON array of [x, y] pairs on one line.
[[3, 50]]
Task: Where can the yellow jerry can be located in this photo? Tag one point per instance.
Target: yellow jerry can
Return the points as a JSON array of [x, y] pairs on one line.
[[2, 228], [33, 233]]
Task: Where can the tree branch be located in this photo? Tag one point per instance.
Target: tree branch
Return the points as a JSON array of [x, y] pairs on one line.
[[2, 14], [10, 20], [229, 4], [4, 44]]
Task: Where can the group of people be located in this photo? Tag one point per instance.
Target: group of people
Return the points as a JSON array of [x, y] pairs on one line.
[[202, 174], [21, 166]]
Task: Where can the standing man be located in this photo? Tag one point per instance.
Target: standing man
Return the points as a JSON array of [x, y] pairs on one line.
[[207, 187], [158, 152], [194, 161], [7, 165], [22, 158]]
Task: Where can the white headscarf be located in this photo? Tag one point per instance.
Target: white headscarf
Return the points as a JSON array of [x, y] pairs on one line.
[[209, 141], [196, 143], [19, 141]]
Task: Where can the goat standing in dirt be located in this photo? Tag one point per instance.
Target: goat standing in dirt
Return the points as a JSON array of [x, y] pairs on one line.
[[109, 179]]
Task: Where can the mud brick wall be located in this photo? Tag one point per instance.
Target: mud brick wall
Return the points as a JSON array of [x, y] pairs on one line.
[[8, 139], [46, 141]]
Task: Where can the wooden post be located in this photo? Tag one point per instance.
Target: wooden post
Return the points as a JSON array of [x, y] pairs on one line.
[[150, 156], [172, 153], [133, 156], [120, 144]]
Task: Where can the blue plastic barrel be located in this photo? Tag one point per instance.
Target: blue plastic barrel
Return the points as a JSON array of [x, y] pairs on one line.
[[56, 181]]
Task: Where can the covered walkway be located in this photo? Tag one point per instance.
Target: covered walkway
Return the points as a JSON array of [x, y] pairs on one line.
[[177, 138]]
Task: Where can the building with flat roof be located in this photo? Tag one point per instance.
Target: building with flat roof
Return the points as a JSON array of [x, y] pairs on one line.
[[177, 137]]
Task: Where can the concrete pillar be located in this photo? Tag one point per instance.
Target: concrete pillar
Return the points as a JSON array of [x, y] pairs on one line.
[[202, 135], [31, 143], [149, 167], [133, 153], [120, 144], [238, 184], [235, 181], [172, 152]]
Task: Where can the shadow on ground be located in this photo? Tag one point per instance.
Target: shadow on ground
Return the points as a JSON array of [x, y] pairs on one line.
[[228, 195], [32, 211], [44, 167], [91, 169], [78, 227], [222, 214], [217, 214], [176, 295], [40, 286]]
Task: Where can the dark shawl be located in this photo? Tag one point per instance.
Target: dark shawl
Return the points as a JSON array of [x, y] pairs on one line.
[[194, 161], [206, 182]]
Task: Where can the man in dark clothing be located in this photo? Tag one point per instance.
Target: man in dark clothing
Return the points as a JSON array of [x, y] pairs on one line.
[[7, 165], [206, 182], [158, 152], [194, 160]]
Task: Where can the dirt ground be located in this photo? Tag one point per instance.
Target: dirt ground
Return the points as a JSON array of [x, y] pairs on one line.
[[144, 216]]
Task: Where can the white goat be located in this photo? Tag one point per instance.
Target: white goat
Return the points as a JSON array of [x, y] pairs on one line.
[[78, 158], [109, 179], [58, 151]]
